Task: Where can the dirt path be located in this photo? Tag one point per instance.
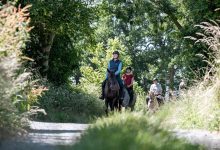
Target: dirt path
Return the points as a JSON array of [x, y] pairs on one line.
[[46, 136], [210, 140], [52, 136]]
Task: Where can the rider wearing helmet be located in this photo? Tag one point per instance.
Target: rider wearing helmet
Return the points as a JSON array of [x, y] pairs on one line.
[[157, 90], [114, 65]]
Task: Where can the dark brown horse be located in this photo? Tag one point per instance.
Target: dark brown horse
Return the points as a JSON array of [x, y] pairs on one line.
[[112, 92]]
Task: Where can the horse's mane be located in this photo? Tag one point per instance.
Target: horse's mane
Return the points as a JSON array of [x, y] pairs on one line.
[[112, 86]]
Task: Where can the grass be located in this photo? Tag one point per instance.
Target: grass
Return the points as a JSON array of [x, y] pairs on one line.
[[130, 131], [199, 107]]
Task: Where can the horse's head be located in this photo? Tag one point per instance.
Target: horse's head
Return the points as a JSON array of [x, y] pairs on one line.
[[151, 95], [112, 82], [111, 74]]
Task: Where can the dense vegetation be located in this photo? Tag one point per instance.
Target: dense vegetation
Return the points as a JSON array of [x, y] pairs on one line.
[[199, 106], [54, 55], [64, 104]]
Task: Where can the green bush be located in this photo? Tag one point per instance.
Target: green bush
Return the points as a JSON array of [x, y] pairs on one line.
[[65, 104], [131, 132]]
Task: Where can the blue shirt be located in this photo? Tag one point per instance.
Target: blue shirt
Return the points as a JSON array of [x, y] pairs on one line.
[[115, 66]]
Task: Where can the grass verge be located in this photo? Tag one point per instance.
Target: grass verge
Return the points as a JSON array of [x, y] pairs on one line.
[[130, 131]]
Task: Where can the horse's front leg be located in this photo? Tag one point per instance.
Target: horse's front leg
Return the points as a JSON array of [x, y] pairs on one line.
[[106, 105], [111, 105], [116, 104], [119, 104]]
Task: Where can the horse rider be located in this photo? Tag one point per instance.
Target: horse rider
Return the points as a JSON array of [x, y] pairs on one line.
[[128, 79], [114, 65], [157, 90]]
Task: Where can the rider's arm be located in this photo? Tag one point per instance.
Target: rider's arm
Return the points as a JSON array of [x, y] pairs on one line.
[[151, 88], [132, 82], [119, 69], [123, 77]]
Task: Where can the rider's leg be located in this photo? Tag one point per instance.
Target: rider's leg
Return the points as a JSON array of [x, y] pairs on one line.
[[147, 99], [121, 92], [160, 101], [131, 94], [103, 90], [121, 87]]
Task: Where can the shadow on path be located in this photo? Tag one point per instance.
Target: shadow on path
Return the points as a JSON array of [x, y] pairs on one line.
[[46, 136]]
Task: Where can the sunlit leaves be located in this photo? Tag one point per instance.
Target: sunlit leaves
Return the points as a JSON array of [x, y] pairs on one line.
[[95, 71]]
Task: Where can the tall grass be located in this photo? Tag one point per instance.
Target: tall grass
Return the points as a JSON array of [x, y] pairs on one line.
[[199, 107], [14, 32], [130, 131]]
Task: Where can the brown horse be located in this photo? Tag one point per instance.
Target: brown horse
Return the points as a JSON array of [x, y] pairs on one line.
[[112, 92], [152, 104]]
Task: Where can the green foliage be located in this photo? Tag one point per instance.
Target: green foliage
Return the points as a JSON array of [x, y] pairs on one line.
[[131, 132], [94, 69], [199, 106], [153, 34], [64, 58], [59, 27], [64, 104], [64, 17]]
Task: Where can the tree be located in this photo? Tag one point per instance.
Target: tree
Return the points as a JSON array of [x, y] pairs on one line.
[[145, 30], [64, 58], [95, 66], [53, 18]]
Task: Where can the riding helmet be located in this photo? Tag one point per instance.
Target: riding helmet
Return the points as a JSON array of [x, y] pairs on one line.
[[116, 52], [155, 79]]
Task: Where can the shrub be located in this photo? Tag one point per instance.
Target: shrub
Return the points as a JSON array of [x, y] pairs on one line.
[[131, 132], [65, 104]]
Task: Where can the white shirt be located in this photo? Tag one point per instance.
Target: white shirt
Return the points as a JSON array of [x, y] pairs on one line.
[[156, 88]]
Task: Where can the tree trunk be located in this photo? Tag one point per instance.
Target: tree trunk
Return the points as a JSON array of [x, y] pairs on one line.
[[46, 52], [77, 77]]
